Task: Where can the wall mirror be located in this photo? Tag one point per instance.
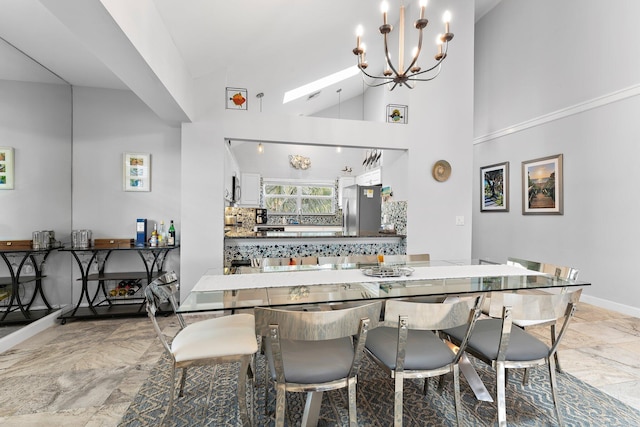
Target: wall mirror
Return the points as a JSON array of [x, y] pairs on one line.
[[35, 120]]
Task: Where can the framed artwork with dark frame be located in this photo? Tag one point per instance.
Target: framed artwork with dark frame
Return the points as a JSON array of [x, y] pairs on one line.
[[494, 192], [136, 170], [397, 113], [6, 168], [542, 189]]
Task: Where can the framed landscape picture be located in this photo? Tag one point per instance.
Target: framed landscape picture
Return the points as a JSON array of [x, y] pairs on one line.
[[137, 172], [542, 192], [494, 192], [6, 168]]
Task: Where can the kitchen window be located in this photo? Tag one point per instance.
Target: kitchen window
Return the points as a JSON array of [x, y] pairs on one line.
[[299, 198]]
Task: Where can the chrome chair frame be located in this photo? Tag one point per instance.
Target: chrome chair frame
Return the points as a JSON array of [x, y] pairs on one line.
[[430, 317], [163, 290], [279, 328], [560, 272], [525, 308]]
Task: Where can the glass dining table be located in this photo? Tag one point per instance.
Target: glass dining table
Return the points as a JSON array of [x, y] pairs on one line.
[[331, 284], [281, 286]]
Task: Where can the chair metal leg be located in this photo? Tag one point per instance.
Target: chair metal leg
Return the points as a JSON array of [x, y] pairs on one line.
[[456, 392], [555, 356], [525, 377], [353, 415], [281, 403], [554, 387], [167, 413], [397, 399], [242, 391], [500, 394], [182, 381]]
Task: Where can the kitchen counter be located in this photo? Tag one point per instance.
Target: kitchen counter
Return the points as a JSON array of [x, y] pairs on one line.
[[302, 234]]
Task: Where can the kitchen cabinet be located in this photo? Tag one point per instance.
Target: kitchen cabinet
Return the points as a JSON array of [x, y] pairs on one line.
[[344, 181], [249, 190], [370, 177]]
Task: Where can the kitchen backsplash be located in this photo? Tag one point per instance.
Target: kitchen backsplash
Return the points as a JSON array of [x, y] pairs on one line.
[[395, 212]]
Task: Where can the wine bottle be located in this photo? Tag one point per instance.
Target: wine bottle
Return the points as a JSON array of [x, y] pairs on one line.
[[153, 242], [171, 241], [162, 235]]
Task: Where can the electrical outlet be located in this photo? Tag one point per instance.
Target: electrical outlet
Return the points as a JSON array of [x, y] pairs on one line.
[[28, 269], [459, 220]]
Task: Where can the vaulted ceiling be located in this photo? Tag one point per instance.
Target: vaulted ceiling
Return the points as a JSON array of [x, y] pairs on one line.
[[271, 46]]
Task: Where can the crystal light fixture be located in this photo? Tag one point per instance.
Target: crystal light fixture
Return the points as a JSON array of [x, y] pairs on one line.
[[399, 75]]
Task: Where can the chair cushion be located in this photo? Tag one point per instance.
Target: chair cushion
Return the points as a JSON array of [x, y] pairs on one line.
[[425, 351], [485, 339], [221, 336], [314, 362]]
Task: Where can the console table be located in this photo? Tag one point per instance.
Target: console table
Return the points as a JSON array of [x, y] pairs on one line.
[[97, 296], [24, 266]]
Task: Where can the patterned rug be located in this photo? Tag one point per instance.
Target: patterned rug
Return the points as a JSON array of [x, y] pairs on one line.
[[210, 400]]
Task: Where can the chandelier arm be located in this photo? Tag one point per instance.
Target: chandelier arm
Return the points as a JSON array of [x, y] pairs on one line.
[[389, 80], [374, 77], [388, 56], [415, 58], [414, 79], [446, 48]]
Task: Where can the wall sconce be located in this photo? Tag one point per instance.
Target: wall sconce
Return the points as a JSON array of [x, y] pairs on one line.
[[299, 162], [260, 148]]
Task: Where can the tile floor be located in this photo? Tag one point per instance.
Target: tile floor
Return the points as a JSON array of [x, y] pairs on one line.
[[86, 373]]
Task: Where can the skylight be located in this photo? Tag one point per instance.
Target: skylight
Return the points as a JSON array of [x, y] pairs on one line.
[[320, 84]]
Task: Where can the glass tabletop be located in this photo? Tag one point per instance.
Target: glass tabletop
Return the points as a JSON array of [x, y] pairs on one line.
[[349, 286]]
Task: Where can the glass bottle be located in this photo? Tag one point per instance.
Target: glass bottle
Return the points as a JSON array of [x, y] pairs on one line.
[[162, 235], [171, 240], [153, 242]]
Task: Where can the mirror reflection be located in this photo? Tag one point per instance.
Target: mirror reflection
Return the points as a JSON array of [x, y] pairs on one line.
[[35, 123]]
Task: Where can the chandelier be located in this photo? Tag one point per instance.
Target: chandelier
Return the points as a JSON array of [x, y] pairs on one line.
[[399, 75]]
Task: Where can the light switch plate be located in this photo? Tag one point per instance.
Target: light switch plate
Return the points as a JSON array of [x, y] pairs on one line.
[[459, 220]]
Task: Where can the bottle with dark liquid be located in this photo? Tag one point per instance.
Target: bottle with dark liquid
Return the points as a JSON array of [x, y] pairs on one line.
[[171, 241]]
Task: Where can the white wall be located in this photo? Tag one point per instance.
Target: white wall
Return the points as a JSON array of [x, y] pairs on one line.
[[440, 127], [35, 119], [108, 123], [563, 81]]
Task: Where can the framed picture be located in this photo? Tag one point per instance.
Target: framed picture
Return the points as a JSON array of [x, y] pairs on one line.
[[137, 172], [494, 192], [542, 186], [6, 168], [236, 98], [397, 113]]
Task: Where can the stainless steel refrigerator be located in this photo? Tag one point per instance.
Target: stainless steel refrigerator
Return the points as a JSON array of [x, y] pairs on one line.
[[361, 210]]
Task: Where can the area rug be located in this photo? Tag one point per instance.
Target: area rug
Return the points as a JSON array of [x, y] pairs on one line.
[[210, 400]]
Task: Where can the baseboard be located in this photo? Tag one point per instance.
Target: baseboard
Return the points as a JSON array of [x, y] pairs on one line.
[[610, 305], [28, 331]]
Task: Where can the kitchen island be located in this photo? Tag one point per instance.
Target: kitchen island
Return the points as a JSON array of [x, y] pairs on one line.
[[243, 246]]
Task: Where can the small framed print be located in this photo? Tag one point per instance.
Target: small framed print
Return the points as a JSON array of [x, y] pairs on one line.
[[137, 172], [6, 168], [542, 192], [397, 113], [236, 98], [494, 194]]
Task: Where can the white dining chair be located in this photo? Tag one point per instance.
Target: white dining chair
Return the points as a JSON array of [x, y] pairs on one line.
[[226, 339]]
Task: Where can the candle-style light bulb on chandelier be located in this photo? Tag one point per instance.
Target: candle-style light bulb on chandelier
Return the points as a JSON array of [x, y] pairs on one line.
[[399, 75]]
